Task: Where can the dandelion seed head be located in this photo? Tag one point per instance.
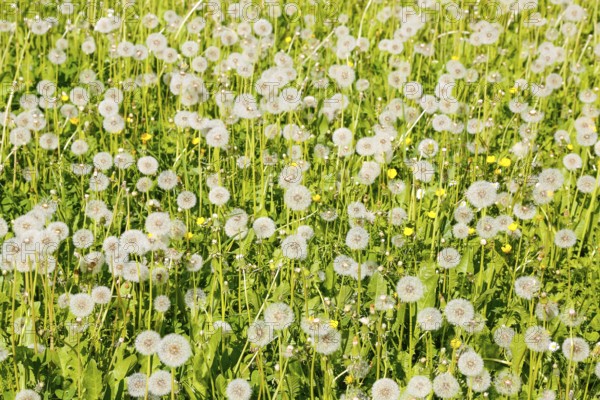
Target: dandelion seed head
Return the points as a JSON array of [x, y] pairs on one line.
[[459, 312], [238, 389], [507, 383], [445, 386], [136, 384], [159, 383], [174, 350], [410, 289]]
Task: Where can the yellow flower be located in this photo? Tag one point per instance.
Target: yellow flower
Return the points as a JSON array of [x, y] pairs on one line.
[[64, 97], [392, 173], [504, 162], [189, 235], [316, 198], [333, 323], [74, 120], [513, 90], [455, 343], [440, 192], [497, 171], [196, 140], [408, 141], [471, 231], [490, 159], [506, 248], [200, 220], [432, 214], [513, 227], [150, 235], [288, 39], [570, 146], [349, 379], [350, 63], [455, 58], [145, 137], [408, 231]]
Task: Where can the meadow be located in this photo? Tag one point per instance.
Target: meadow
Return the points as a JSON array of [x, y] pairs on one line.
[[362, 199]]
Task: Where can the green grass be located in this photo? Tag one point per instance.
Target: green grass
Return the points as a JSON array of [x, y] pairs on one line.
[[62, 357]]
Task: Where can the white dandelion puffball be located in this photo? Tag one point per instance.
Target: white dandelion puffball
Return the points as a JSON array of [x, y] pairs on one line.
[[385, 389], [146, 342], [238, 389], [459, 312], [410, 289], [174, 350], [81, 304]]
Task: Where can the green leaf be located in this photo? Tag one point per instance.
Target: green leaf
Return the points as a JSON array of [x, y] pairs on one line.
[[122, 367], [518, 349], [377, 286], [92, 381], [430, 281]]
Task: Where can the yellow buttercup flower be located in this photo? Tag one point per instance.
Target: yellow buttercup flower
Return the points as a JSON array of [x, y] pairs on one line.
[[196, 140], [392, 173], [455, 343], [432, 214], [349, 379], [74, 120], [189, 235], [145, 137], [288, 39], [570, 146], [513, 227], [490, 159], [408, 231], [455, 58], [506, 248], [316, 198], [513, 90], [333, 323], [200, 220], [504, 162], [440, 192], [408, 141], [64, 97], [471, 231]]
